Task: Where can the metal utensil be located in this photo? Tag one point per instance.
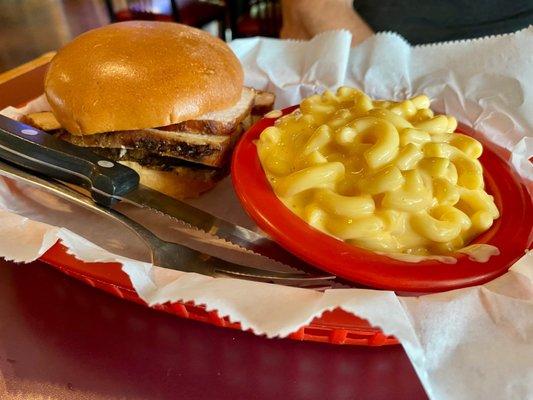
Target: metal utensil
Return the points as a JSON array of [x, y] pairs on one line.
[[166, 254], [110, 182]]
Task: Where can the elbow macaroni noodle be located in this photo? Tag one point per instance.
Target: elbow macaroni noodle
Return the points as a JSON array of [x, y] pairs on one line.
[[387, 176]]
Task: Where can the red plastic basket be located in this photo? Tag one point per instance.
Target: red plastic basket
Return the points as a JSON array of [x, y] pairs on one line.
[[336, 327]]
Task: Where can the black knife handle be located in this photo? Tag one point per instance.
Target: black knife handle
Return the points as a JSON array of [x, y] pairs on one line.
[[38, 151]]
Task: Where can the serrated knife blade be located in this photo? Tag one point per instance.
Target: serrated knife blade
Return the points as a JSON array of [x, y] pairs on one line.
[[196, 218]]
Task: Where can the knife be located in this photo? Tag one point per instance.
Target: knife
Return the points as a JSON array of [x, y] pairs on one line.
[[166, 254], [111, 182]]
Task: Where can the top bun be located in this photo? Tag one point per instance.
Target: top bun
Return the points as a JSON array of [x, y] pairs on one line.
[[140, 74]]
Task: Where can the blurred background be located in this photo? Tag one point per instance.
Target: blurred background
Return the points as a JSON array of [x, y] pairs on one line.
[[29, 28]]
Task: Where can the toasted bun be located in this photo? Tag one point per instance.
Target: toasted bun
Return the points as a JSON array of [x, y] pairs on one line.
[[140, 74], [180, 183]]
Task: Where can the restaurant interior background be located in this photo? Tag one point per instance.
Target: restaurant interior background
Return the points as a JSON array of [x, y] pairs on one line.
[[29, 28]]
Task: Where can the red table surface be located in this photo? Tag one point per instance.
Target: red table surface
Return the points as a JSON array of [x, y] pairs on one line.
[[56, 332]]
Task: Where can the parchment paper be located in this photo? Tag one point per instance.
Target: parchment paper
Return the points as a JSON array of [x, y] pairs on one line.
[[473, 343]]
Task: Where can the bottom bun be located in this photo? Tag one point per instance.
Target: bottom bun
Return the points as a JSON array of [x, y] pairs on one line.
[[179, 183]]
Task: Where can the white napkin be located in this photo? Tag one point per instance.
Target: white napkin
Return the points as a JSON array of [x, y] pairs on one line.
[[469, 343]]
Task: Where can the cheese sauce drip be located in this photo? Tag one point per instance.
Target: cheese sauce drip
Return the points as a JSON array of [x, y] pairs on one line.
[[387, 176]]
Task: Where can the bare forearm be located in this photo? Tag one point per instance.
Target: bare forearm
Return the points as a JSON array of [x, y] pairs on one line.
[[303, 19]]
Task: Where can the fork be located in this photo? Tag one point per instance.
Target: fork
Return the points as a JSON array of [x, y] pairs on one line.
[[172, 255]]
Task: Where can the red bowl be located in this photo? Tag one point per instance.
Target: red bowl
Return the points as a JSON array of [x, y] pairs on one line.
[[511, 233]]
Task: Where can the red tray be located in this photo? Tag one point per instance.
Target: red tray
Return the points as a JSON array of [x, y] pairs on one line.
[[336, 327]]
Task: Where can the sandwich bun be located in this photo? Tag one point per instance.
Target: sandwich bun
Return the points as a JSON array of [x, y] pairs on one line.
[[140, 74], [179, 183]]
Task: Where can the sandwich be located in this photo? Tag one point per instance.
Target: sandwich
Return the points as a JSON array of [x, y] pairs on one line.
[[162, 98]]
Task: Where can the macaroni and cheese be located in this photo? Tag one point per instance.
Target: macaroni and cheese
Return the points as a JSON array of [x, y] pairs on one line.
[[387, 176]]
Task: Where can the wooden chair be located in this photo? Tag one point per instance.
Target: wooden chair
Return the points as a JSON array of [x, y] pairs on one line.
[[255, 18], [195, 13]]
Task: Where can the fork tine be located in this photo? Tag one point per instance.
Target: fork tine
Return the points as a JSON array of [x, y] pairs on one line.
[[300, 282], [238, 270], [179, 257]]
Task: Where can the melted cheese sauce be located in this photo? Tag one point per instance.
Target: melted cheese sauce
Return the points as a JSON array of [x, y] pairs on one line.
[[387, 176], [480, 252]]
